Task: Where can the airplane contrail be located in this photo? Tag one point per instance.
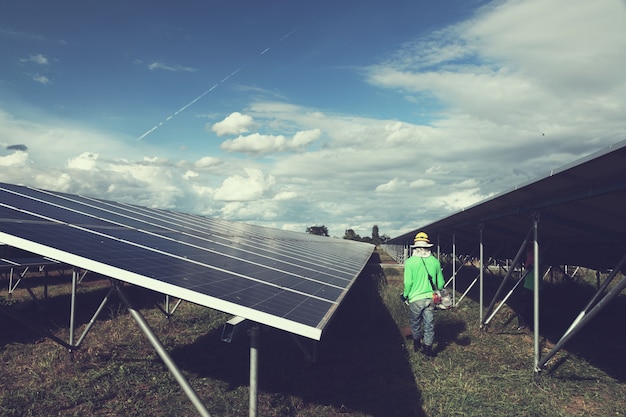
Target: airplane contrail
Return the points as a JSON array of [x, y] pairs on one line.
[[263, 52]]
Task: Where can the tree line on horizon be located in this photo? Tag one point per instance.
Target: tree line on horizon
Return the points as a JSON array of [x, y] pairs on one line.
[[350, 234]]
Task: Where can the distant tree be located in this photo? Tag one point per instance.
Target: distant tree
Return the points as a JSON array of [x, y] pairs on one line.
[[317, 230], [351, 235], [384, 238], [375, 236]]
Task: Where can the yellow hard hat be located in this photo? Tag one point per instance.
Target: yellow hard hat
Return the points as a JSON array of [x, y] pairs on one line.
[[421, 241]]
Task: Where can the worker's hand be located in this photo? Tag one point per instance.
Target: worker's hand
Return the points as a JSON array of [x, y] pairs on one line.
[[404, 299], [436, 297]]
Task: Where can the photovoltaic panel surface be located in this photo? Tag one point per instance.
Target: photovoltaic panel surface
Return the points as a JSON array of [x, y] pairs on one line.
[[579, 207], [288, 280]]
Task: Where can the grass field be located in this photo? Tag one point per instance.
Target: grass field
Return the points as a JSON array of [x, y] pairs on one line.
[[365, 366]]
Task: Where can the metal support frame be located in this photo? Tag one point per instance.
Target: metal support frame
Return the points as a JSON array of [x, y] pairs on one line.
[[71, 346], [452, 279], [76, 278], [454, 271], [234, 329], [478, 278], [254, 370], [595, 305], [21, 275], [73, 305], [504, 300], [14, 282], [536, 263], [481, 286], [170, 311], [160, 349], [516, 261], [167, 309]]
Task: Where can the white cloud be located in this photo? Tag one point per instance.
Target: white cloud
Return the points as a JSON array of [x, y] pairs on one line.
[[258, 144], [190, 174], [14, 160], [41, 79], [234, 124], [391, 186], [240, 188], [173, 68], [468, 183], [37, 59], [302, 139], [525, 64], [285, 195], [520, 88], [457, 200], [206, 162], [86, 162], [421, 183], [246, 211]]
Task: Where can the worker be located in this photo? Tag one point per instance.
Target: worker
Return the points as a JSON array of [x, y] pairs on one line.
[[422, 277]]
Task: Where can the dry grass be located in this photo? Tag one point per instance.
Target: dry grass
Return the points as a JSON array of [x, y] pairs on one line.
[[364, 367]]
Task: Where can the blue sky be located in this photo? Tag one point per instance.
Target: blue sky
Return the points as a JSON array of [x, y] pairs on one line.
[[291, 114]]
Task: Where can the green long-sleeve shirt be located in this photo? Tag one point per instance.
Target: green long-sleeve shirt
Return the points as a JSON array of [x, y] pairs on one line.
[[416, 283]]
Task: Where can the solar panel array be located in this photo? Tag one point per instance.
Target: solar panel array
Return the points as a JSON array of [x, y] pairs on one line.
[[580, 208], [287, 280]]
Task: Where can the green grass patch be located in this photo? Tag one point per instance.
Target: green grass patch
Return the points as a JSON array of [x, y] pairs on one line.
[[365, 366]]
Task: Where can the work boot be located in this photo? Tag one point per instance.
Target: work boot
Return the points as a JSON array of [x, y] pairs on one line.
[[428, 350], [416, 345]]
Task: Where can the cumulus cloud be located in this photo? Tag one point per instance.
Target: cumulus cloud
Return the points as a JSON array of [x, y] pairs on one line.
[[248, 211], [245, 188], [457, 200], [421, 183], [500, 60], [190, 174], [285, 195], [15, 160], [86, 161], [207, 162], [391, 186], [257, 143], [234, 124], [474, 109]]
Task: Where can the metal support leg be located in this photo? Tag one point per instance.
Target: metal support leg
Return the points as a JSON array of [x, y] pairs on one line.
[[160, 349], [595, 305], [254, 368], [104, 302], [73, 305], [481, 274], [536, 264], [516, 261], [504, 300], [454, 268]]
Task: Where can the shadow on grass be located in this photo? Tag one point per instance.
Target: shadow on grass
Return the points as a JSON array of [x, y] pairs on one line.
[[52, 313], [601, 342], [362, 364], [447, 331]]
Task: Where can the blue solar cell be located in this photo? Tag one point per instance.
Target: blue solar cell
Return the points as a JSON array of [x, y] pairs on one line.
[[293, 281]]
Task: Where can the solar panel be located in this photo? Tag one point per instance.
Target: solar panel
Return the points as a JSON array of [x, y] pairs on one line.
[[581, 222], [288, 280]]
